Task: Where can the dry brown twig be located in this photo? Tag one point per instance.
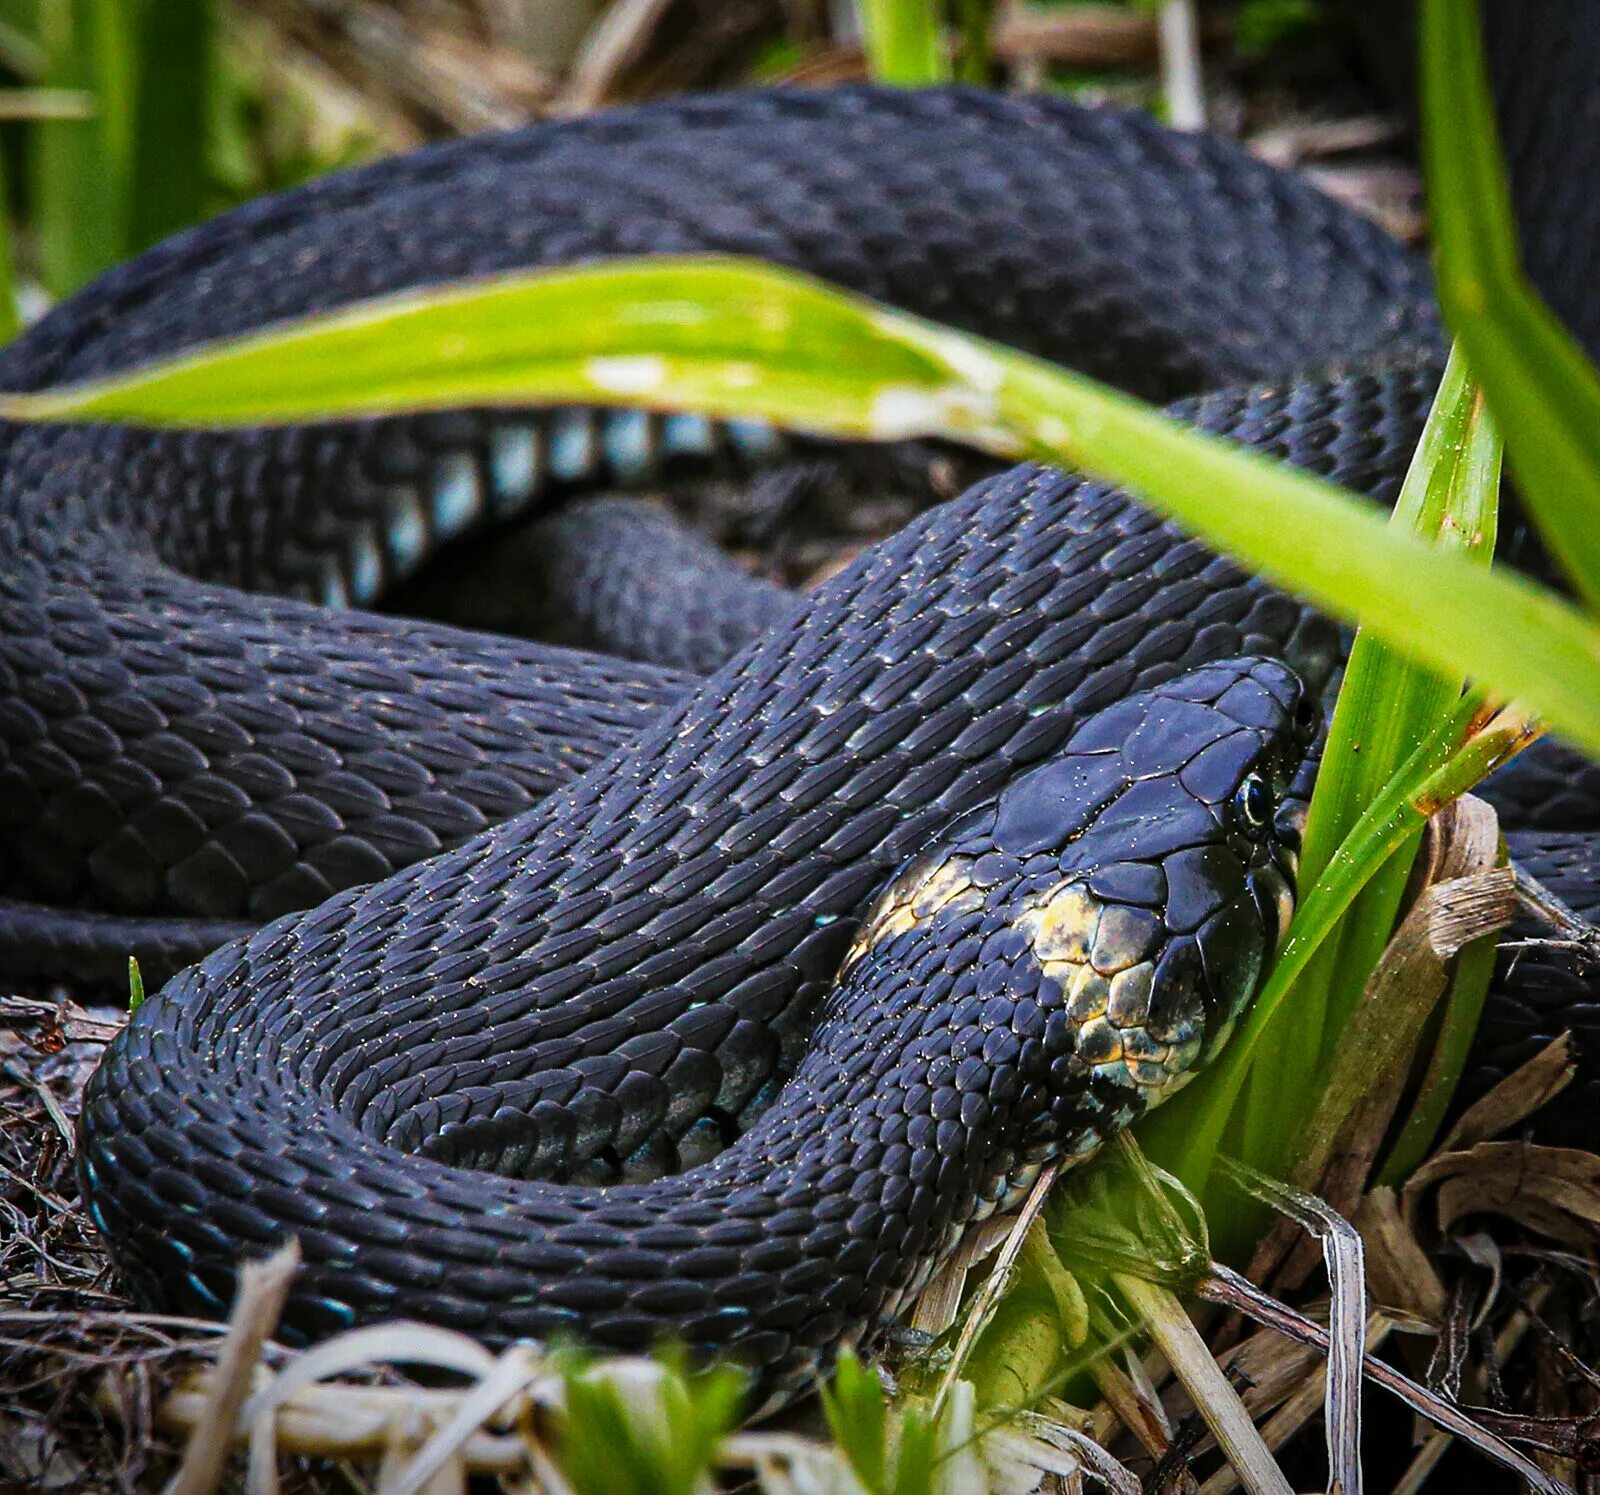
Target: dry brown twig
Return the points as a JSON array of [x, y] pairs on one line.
[[1231, 1290]]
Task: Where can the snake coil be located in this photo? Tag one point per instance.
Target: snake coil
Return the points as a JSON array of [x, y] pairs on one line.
[[554, 1046]]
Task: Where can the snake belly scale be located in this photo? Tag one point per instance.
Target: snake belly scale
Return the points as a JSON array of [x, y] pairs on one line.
[[559, 1045]]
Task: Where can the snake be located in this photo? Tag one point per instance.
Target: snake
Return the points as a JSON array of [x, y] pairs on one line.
[[540, 993]]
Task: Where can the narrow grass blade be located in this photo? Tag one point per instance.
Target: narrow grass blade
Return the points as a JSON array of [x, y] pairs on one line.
[[1387, 706], [973, 61], [1544, 391], [728, 337], [904, 40], [169, 180], [1469, 990], [1207, 1384], [80, 166], [9, 318]]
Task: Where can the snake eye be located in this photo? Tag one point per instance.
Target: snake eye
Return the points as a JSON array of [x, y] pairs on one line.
[[1252, 802]]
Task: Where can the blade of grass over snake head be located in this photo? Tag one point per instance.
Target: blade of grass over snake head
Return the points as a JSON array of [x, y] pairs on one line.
[[731, 338]]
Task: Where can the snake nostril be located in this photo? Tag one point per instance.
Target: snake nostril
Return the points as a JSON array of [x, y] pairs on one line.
[[1307, 716]]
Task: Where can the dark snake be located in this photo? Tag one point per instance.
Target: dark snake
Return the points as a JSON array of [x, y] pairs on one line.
[[558, 1046]]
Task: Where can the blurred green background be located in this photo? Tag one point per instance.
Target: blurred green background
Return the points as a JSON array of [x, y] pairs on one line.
[[123, 120]]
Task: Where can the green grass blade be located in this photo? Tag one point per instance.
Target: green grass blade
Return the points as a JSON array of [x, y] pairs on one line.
[[1387, 707], [905, 42], [170, 180], [858, 1418], [974, 64], [1542, 388], [1452, 495], [625, 1436], [80, 166], [728, 337], [890, 1450], [10, 321], [1463, 1004], [20, 48]]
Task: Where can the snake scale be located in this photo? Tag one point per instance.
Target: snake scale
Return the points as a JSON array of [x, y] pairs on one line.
[[560, 993]]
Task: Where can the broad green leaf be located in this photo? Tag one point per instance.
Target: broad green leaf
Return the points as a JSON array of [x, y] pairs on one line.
[[728, 337], [1543, 390]]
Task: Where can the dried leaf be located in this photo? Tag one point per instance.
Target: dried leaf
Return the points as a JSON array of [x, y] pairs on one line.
[[1344, 1256], [515, 1370], [1400, 1274], [1133, 1400], [1270, 1366], [1555, 1190], [51, 1025], [1213, 1395], [988, 1296], [1113, 1474], [1303, 1401], [1515, 1098], [1463, 896], [263, 1289], [1362, 1093], [939, 1303], [1237, 1292], [1481, 1249]]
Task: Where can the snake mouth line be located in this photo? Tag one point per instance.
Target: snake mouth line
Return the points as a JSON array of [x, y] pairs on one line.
[[1280, 880]]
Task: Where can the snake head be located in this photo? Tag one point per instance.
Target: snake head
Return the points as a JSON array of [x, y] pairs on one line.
[[1116, 905]]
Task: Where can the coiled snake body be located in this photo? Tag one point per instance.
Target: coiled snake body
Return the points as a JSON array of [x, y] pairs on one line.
[[555, 1048]]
